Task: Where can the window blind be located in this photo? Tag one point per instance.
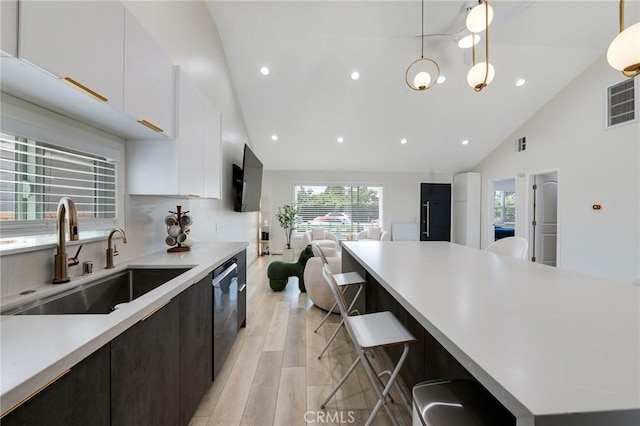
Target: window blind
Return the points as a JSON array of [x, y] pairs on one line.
[[34, 176], [339, 209]]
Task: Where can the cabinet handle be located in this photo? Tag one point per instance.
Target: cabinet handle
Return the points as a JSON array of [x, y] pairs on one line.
[[85, 89], [155, 310], [35, 393], [194, 195], [151, 126], [242, 288]]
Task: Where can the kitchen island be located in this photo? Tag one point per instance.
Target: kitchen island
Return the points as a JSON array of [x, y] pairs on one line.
[[555, 347], [37, 349]]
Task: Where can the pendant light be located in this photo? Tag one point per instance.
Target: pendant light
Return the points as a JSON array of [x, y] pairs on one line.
[[481, 74], [417, 75], [624, 51]]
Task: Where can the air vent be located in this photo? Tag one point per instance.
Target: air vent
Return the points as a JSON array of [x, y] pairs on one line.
[[621, 102], [521, 144]]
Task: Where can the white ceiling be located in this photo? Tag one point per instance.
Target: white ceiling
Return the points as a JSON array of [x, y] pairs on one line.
[[312, 47]]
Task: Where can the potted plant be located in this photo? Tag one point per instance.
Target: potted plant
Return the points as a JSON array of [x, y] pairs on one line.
[[286, 216]]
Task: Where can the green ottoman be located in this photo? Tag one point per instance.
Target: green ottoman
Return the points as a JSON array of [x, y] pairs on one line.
[[279, 271]]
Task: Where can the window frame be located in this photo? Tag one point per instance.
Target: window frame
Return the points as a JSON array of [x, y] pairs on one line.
[[340, 229], [33, 122]]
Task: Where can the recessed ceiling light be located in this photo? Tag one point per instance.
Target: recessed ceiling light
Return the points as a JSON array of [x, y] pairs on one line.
[[264, 71], [355, 75], [520, 82], [465, 142], [441, 79], [403, 141], [274, 137], [340, 139]]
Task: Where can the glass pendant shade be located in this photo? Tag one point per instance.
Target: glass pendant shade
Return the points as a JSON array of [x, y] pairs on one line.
[[476, 18], [624, 51], [422, 80], [469, 41], [475, 77]]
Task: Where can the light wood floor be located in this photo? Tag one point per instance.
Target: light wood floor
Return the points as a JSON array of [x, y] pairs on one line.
[[273, 376]]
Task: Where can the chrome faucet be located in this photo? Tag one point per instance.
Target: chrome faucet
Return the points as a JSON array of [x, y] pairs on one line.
[[111, 252], [61, 261]]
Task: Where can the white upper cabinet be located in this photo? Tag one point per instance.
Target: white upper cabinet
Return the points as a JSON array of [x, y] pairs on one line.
[[190, 165], [212, 152], [9, 27], [148, 79], [81, 41]]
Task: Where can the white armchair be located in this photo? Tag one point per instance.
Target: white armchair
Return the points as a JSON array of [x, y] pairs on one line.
[[321, 237], [317, 289], [373, 234]]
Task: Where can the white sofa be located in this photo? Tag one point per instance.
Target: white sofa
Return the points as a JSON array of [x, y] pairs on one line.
[[373, 234], [317, 289], [321, 237]]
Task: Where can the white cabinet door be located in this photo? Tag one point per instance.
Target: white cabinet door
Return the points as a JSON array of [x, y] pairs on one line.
[[148, 79], [212, 152], [190, 165], [190, 125], [9, 27], [79, 40]]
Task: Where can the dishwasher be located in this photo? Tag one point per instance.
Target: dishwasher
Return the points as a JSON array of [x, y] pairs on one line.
[[225, 312]]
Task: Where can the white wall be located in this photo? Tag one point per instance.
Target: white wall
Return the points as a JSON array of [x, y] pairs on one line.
[[400, 194], [594, 165]]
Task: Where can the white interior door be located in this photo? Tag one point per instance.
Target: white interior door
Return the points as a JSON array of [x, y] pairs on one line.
[[546, 219]]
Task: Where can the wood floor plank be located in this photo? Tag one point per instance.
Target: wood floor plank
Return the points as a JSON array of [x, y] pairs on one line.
[[292, 397], [295, 346], [276, 336], [318, 370], [232, 401], [261, 404]]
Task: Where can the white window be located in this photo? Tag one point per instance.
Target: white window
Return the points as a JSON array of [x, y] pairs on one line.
[[504, 207], [34, 175], [338, 208]]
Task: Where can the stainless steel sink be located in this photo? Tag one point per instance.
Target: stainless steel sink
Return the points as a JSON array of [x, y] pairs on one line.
[[100, 296]]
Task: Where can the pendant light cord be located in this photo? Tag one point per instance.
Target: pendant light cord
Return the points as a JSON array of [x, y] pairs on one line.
[[422, 29]]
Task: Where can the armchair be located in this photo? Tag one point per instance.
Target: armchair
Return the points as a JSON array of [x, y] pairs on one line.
[[317, 289], [373, 234], [321, 237]]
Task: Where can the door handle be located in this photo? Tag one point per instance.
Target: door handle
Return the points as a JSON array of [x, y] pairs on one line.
[[427, 214]]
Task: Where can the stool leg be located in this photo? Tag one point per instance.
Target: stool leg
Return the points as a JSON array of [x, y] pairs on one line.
[[325, 317], [333, 336], [340, 383], [387, 388]]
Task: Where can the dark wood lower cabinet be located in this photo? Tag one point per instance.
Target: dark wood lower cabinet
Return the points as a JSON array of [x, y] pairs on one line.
[[196, 305], [80, 397], [145, 371]]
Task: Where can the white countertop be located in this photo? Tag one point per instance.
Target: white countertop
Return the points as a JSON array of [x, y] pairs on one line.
[[35, 349], [544, 341]]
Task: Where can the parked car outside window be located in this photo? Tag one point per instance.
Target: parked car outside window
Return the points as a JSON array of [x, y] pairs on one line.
[[332, 218]]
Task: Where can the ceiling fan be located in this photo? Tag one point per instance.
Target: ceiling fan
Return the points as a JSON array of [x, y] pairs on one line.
[[458, 32]]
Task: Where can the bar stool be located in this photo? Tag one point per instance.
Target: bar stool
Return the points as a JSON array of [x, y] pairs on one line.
[[371, 331], [457, 403], [344, 281]]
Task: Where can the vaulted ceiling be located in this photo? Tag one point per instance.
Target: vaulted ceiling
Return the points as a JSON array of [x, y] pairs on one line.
[[312, 47]]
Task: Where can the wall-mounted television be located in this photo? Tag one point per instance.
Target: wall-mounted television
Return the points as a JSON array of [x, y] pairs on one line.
[[247, 183]]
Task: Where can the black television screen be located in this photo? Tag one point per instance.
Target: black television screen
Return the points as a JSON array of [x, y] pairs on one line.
[[247, 183]]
